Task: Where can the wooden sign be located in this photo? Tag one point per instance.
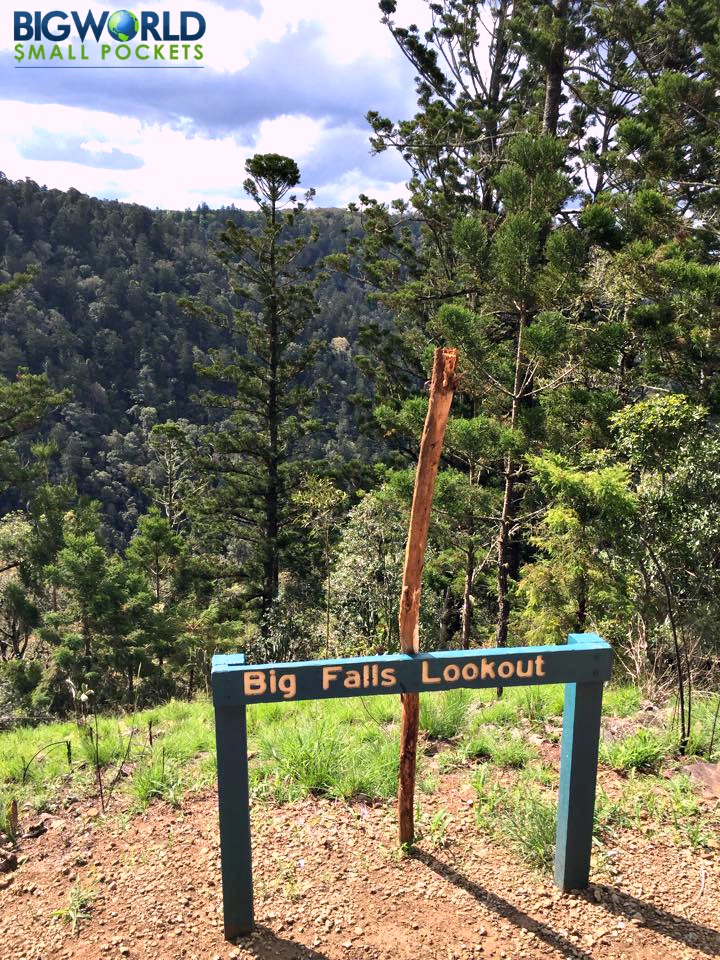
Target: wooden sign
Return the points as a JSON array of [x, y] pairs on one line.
[[583, 665]]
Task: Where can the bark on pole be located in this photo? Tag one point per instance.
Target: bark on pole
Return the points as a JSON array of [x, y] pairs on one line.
[[442, 389]]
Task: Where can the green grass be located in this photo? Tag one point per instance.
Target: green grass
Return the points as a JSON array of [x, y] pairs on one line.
[[521, 816], [502, 746], [8, 825], [502, 712], [621, 700], [445, 715], [653, 803], [158, 779], [529, 826], [644, 750], [185, 730], [78, 907], [319, 755], [490, 795], [349, 749], [480, 746], [513, 752], [108, 746], [18, 747], [433, 829], [704, 738], [448, 760]]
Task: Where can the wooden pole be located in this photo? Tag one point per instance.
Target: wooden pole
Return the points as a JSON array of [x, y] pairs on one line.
[[442, 389]]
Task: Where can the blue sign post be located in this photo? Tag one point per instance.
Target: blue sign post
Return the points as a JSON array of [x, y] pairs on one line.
[[583, 665]]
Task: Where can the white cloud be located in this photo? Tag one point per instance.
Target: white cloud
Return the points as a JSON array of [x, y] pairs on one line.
[[352, 183], [178, 171], [297, 135], [181, 168]]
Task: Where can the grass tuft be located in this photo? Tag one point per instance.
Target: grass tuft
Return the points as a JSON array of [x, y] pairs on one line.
[[78, 907], [315, 755], [621, 701], [445, 715], [520, 816], [9, 817], [514, 753], [480, 746], [529, 825], [704, 740], [158, 779], [644, 751]]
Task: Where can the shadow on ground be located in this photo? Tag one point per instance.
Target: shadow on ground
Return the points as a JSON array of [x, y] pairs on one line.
[[671, 925], [655, 918], [266, 945], [503, 908]]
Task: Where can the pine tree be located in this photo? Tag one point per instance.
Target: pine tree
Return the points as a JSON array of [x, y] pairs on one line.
[[496, 268], [156, 551], [24, 402], [254, 464]]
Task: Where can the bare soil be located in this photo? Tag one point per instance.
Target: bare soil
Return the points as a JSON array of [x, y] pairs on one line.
[[330, 885]]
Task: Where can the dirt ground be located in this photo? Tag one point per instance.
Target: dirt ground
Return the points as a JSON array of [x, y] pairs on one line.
[[329, 884]]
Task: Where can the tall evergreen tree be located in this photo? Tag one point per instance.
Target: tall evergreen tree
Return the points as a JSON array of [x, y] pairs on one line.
[[254, 463]]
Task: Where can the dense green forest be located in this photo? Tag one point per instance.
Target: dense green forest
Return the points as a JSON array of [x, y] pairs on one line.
[[210, 419], [102, 317]]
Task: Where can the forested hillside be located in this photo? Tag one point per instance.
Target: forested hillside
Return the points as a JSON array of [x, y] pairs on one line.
[[213, 446], [102, 317]]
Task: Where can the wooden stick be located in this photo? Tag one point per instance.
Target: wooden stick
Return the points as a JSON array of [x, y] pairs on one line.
[[442, 389]]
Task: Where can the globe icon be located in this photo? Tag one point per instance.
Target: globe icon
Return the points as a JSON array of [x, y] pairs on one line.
[[123, 25]]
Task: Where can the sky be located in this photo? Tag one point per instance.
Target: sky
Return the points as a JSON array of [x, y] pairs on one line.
[[287, 76]]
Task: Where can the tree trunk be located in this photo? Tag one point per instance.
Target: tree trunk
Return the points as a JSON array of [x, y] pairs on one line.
[[445, 619], [581, 615], [442, 389], [327, 590], [555, 70], [498, 56], [86, 635], [467, 610], [503, 617], [271, 572], [510, 500]]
